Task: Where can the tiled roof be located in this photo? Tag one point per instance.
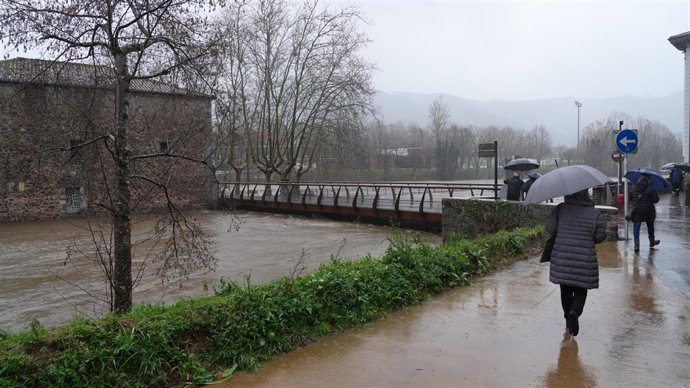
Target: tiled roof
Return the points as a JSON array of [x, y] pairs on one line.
[[680, 41], [38, 71]]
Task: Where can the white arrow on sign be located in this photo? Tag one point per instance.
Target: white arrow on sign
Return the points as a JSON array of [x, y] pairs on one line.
[[625, 141]]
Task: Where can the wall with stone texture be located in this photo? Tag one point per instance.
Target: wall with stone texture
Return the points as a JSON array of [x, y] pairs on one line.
[[473, 217], [38, 180]]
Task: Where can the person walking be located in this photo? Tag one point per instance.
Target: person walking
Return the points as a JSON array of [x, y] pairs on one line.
[[514, 187], [578, 226], [676, 179], [644, 197]]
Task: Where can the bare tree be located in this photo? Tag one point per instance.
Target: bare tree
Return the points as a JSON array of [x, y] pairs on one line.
[[136, 40], [539, 142], [299, 79], [439, 115], [657, 144]]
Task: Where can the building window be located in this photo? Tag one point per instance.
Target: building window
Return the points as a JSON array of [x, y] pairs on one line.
[[74, 147], [163, 146]]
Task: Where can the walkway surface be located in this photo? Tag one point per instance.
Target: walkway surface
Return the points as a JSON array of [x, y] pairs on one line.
[[507, 330]]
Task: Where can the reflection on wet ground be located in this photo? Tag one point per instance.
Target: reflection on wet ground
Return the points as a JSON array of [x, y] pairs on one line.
[[37, 283], [507, 330]]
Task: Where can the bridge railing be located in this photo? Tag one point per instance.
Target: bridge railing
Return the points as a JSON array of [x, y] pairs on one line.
[[416, 196]]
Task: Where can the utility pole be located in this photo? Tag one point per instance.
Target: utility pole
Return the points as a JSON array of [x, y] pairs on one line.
[[578, 104]]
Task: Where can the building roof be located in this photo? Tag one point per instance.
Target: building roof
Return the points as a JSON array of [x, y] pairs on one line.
[[43, 72], [680, 41]]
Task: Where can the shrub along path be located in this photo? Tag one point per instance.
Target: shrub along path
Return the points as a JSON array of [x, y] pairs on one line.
[[242, 326]]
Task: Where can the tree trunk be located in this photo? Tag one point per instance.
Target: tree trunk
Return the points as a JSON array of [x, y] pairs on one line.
[[122, 223]]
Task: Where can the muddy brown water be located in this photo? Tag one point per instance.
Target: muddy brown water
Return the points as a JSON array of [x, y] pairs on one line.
[[37, 283]]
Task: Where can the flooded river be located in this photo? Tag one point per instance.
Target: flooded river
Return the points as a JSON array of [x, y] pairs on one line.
[[37, 283]]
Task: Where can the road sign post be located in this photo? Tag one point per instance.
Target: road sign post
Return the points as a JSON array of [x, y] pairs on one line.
[[488, 150], [626, 141]]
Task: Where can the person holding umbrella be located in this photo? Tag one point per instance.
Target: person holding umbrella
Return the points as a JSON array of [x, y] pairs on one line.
[[515, 183], [644, 197], [676, 179], [514, 187], [577, 226]]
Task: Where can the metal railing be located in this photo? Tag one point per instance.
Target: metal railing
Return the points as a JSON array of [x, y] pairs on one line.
[[397, 196]]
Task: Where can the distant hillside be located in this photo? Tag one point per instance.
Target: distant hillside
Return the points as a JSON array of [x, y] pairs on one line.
[[558, 115]]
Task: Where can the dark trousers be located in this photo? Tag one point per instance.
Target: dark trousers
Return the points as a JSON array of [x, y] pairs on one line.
[[650, 229], [573, 299]]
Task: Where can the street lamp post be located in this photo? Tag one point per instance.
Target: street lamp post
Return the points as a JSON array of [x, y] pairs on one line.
[[578, 104]]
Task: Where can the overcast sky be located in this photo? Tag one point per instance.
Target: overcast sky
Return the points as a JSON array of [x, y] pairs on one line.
[[519, 49], [514, 50]]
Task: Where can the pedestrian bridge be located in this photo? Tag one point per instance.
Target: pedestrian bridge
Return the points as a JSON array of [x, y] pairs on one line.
[[411, 204], [416, 205]]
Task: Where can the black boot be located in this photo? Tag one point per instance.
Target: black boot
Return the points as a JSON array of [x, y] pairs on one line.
[[653, 242], [637, 245], [573, 324]]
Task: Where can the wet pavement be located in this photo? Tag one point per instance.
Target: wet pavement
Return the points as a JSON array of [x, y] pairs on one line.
[[507, 330]]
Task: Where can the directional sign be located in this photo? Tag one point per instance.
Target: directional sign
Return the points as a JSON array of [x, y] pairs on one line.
[[487, 150], [627, 141]]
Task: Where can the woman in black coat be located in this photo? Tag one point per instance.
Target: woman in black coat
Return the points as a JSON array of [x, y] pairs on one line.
[[644, 197], [578, 226]]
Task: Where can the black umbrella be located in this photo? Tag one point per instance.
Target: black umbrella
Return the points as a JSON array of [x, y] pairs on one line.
[[521, 164]]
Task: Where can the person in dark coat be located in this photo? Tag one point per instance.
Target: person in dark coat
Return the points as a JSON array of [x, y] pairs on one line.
[[532, 177], [676, 179], [644, 196], [514, 187], [574, 266]]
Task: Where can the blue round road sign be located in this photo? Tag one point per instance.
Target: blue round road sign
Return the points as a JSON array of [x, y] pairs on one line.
[[626, 141]]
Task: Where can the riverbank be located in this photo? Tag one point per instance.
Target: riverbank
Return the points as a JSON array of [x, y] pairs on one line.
[[242, 326]]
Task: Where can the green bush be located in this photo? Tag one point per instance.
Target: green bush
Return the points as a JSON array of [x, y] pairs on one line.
[[241, 327]]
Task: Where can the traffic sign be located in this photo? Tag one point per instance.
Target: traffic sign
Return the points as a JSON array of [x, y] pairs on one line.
[[617, 156], [627, 141], [487, 150]]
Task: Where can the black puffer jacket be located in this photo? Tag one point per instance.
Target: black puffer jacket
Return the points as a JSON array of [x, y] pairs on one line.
[[643, 198], [574, 258]]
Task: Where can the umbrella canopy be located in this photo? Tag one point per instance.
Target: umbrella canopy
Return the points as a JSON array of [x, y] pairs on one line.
[[533, 174], [655, 178], [565, 181], [684, 166], [668, 167], [522, 164]]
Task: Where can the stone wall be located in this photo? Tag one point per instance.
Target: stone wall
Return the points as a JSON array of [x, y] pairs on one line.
[[473, 217], [40, 178]]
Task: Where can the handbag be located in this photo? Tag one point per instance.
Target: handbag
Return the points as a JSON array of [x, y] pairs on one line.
[[548, 247], [631, 211]]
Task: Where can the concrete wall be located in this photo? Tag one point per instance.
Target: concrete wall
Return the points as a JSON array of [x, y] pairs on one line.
[[473, 217]]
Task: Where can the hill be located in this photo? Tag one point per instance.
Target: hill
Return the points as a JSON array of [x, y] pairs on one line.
[[558, 115]]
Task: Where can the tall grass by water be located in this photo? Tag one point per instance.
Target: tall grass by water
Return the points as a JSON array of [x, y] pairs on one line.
[[205, 339]]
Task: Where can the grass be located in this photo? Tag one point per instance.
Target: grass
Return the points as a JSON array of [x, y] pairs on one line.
[[205, 339]]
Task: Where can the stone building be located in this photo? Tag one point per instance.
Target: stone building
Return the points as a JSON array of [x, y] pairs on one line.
[[56, 134]]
